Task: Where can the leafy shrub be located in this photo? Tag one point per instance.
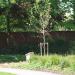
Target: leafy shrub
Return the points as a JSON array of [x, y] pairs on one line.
[[64, 64], [73, 66], [55, 60], [46, 61], [52, 60]]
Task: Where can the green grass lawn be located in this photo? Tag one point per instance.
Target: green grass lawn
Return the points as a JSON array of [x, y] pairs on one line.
[[5, 73]]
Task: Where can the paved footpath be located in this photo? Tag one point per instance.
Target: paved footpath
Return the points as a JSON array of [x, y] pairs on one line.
[[25, 72]]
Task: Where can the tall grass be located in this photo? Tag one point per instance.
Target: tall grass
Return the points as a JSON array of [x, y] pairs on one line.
[[53, 60], [56, 63]]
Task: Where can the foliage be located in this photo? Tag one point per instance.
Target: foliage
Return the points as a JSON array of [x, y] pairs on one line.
[[56, 63], [11, 58], [26, 15]]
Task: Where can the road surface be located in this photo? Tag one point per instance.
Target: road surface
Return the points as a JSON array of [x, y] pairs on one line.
[[25, 72]]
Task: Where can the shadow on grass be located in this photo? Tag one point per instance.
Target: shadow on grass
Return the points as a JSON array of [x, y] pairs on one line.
[[11, 58]]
